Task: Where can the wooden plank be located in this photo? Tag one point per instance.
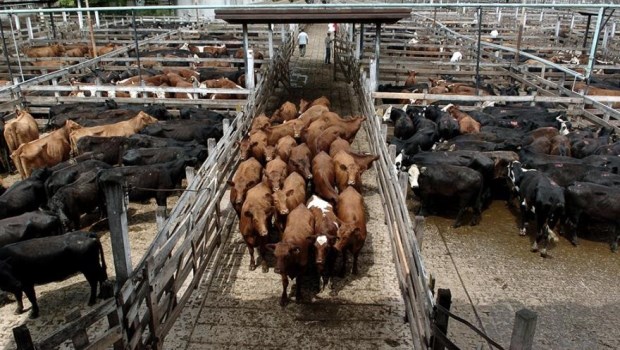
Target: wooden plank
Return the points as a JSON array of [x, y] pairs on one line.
[[107, 339]]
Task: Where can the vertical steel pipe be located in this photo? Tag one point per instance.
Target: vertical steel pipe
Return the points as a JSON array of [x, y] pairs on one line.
[[377, 50], [478, 54], [593, 46], [135, 38], [6, 52]]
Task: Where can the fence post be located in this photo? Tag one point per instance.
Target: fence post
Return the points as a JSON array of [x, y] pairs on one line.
[[523, 330], [29, 26], [80, 338], [117, 220], [23, 339], [444, 298]]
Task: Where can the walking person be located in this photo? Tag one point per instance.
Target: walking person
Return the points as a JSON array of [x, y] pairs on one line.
[[328, 48], [302, 40]]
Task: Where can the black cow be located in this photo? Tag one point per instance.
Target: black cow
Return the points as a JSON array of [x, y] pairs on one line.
[[148, 156], [541, 196], [148, 181], [214, 73], [601, 178], [29, 225], [26, 195], [70, 174], [43, 260], [598, 202], [184, 130], [465, 184], [194, 113], [77, 198], [403, 125]]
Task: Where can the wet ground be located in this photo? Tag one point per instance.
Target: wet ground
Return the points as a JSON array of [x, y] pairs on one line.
[[492, 274]]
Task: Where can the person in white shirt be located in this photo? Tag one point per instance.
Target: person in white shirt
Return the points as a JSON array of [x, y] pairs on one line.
[[302, 40]]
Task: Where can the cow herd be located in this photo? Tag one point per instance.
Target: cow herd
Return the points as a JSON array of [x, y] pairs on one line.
[[297, 191], [563, 177], [167, 73], [64, 172]]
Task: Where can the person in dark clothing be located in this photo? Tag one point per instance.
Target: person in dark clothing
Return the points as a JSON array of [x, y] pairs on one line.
[[328, 48]]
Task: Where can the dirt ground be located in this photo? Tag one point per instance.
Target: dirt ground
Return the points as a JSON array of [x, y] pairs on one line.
[[492, 274], [57, 299]]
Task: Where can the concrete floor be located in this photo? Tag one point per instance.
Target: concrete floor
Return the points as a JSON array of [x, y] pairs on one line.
[[240, 310]]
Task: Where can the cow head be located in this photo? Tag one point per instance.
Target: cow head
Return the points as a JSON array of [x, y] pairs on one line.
[[145, 119], [353, 172], [270, 152], [414, 173], [280, 199], [346, 232], [285, 253], [261, 216], [322, 245], [275, 172], [387, 114]]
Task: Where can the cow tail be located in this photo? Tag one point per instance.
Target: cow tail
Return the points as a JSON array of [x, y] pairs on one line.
[[105, 270]]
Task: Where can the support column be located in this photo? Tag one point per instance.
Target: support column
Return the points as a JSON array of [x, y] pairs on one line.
[[593, 46], [53, 24], [135, 38], [377, 53], [119, 231], [6, 52], [245, 52], [478, 54], [270, 38], [585, 37], [361, 53]]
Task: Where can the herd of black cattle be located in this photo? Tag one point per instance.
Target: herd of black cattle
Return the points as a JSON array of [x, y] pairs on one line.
[[562, 176], [36, 211]]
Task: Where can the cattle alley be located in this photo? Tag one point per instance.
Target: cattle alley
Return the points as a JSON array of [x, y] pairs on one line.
[[239, 309]]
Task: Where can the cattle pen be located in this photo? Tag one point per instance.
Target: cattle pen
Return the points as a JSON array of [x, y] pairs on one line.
[[191, 289]]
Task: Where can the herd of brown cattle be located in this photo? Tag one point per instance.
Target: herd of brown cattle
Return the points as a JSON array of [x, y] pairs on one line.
[[297, 190], [30, 151]]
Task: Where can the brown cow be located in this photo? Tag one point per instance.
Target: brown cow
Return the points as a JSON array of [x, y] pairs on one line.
[[79, 51], [299, 161], [313, 131], [284, 147], [270, 153], [292, 251], [124, 128], [260, 123], [305, 105], [254, 146], [584, 89], [349, 169], [221, 83], [326, 232], [215, 50], [286, 112], [275, 133], [46, 51], [325, 139], [324, 177], [248, 175], [20, 130], [467, 124], [352, 231], [255, 220], [288, 198], [274, 174], [560, 146], [313, 113], [350, 126], [410, 81], [47, 151], [339, 144]]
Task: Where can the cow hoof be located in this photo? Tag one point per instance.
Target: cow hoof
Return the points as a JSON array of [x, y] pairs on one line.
[[276, 270], [265, 268], [18, 311], [283, 302], [456, 225], [33, 315], [252, 267]]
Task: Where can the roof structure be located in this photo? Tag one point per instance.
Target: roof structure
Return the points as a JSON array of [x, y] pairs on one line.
[[314, 15]]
